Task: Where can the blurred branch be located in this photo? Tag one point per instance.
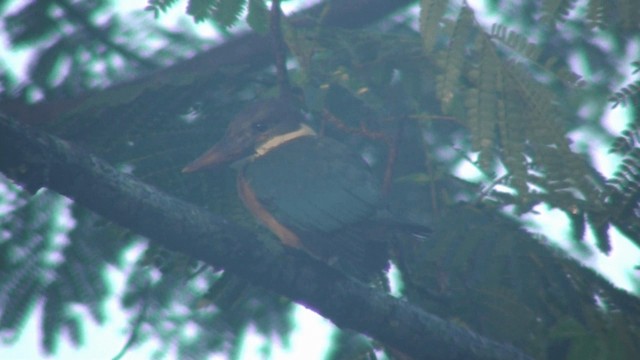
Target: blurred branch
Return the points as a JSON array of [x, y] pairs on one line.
[[249, 51], [102, 36], [40, 160]]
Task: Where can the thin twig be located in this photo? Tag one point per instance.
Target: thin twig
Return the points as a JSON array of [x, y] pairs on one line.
[[361, 131], [391, 142], [279, 48]]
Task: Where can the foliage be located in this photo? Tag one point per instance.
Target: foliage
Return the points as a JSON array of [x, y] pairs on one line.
[[224, 13], [37, 264], [446, 92]]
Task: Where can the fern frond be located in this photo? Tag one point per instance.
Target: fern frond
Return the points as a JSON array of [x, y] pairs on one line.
[[627, 141], [200, 10], [17, 308], [431, 11], [52, 319], [568, 77], [596, 14], [453, 59], [521, 45], [75, 330], [472, 104], [629, 93], [622, 195], [627, 175], [489, 87], [158, 6], [600, 223], [556, 10], [224, 12], [516, 42], [565, 172], [578, 224], [257, 16], [227, 12]]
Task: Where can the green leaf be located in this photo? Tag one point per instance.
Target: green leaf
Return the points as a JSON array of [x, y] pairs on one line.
[[258, 16], [160, 6], [431, 12], [200, 10], [227, 12]]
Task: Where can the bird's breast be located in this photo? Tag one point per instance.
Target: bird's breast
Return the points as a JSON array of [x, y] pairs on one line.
[[310, 184]]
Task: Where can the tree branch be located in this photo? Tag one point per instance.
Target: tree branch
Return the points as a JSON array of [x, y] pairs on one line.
[[249, 51], [101, 35], [35, 159]]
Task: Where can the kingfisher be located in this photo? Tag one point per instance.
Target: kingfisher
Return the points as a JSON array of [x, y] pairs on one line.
[[313, 192]]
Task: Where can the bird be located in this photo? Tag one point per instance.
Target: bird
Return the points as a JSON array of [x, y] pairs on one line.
[[312, 192]]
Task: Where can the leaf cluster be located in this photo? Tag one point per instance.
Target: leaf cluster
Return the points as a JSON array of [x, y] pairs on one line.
[[440, 94], [224, 13], [39, 265]]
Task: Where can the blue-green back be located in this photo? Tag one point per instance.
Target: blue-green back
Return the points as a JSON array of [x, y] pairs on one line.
[[314, 184]]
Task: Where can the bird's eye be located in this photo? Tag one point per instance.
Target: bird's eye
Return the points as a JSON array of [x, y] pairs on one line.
[[259, 127]]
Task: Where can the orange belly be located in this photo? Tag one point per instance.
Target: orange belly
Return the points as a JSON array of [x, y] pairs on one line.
[[251, 202]]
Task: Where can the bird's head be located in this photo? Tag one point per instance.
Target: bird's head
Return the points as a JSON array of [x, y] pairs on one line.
[[253, 132]]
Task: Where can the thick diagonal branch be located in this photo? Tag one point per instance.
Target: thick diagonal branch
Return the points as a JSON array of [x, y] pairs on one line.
[[35, 159]]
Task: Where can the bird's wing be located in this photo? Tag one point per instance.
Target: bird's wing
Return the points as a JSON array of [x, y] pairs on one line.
[[314, 184]]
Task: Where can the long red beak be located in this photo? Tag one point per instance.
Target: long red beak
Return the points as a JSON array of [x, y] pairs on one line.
[[221, 153]]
